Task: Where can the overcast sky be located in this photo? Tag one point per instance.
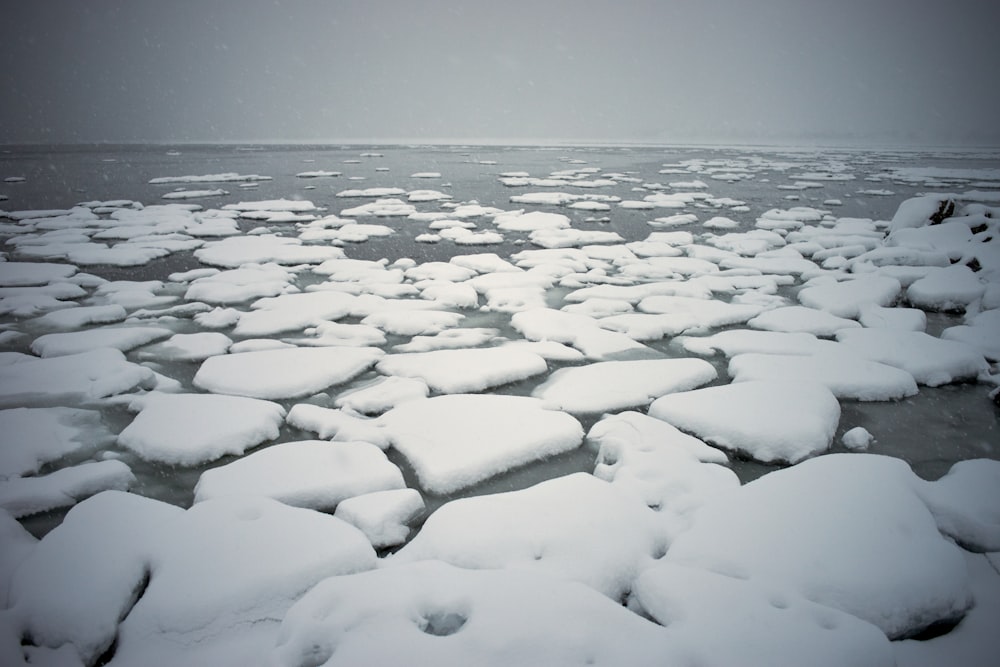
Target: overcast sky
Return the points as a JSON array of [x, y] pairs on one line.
[[885, 71]]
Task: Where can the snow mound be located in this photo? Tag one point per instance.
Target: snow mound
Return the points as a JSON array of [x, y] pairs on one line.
[[768, 420], [315, 474], [966, 503], [457, 440], [845, 299], [575, 527], [189, 429], [800, 528], [932, 361], [845, 374], [800, 318], [453, 616], [24, 496], [284, 373], [608, 386], [75, 379], [33, 437], [383, 516], [699, 605], [464, 370]]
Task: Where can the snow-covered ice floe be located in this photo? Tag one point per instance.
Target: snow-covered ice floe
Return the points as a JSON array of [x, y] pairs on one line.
[[271, 446]]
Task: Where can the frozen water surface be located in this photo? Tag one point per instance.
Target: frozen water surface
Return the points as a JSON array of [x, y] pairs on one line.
[[359, 410]]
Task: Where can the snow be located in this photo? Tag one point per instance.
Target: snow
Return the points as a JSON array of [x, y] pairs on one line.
[[76, 342], [800, 528], [981, 331], [698, 604], [767, 420], [76, 379], [950, 288], [77, 317], [188, 347], [844, 373], [580, 331], [845, 299], [800, 318], [905, 319], [314, 474], [24, 496], [966, 503], [289, 312], [932, 361], [742, 341], [608, 386], [246, 283], [111, 538], [383, 516], [383, 394], [189, 429], [575, 527], [33, 437], [227, 177], [454, 616], [235, 251], [208, 602], [284, 373], [23, 274], [857, 439], [464, 370], [454, 441]]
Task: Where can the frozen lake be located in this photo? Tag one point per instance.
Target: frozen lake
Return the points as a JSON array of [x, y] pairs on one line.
[[193, 324]]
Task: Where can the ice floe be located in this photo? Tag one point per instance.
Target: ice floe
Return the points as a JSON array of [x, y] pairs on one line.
[[35, 436], [464, 370]]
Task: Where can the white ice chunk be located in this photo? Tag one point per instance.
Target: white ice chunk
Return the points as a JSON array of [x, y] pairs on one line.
[[238, 285], [769, 420], [580, 331], [844, 530], [35, 436], [453, 616], [21, 274], [932, 361], [23, 496], [742, 341], [949, 288], [284, 373], [857, 439], [315, 474], [845, 299], [800, 318], [71, 318], [227, 571], [236, 251], [982, 332], [384, 394], [290, 312], [76, 342], [455, 441], [338, 425], [383, 516], [464, 370], [697, 605], [846, 374], [608, 386], [905, 319], [188, 429], [73, 379], [188, 347], [575, 527], [966, 503], [84, 576]]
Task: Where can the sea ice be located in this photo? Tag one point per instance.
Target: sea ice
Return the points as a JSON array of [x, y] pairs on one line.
[[189, 429], [904, 319], [580, 331], [800, 318], [73, 379], [845, 299], [23, 496], [284, 373], [236, 251], [454, 616], [575, 527], [457, 440], [843, 372], [844, 530], [383, 516], [290, 312], [33, 437], [76, 342], [71, 318], [384, 394], [608, 386], [768, 420], [464, 370], [966, 503], [950, 288], [207, 602], [188, 347], [981, 331], [22, 274], [315, 474], [699, 607], [246, 283], [932, 361]]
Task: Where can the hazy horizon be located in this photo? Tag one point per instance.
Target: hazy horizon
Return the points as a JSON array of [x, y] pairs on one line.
[[779, 72]]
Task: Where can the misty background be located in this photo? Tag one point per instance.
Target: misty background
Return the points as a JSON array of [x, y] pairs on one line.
[[854, 71]]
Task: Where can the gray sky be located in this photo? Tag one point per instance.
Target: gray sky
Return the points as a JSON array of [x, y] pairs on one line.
[[886, 71]]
